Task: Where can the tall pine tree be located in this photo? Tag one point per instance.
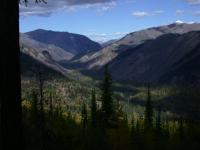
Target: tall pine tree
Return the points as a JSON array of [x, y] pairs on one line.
[[93, 109], [84, 115], [158, 121], [106, 98], [148, 110], [181, 128], [51, 105], [34, 109]]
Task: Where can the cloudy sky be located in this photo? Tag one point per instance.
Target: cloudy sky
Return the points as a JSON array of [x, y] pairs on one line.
[[102, 20]]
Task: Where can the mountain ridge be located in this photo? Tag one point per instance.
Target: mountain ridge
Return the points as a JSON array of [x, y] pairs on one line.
[[147, 63], [156, 54], [107, 54], [70, 42]]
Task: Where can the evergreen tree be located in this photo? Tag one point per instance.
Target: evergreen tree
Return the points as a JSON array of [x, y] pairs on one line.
[[158, 121], [119, 111], [121, 118], [41, 116], [36, 1], [93, 109], [148, 110], [84, 115], [10, 84], [10, 97], [181, 128], [34, 108], [59, 108], [50, 105], [107, 101], [132, 126], [138, 126], [41, 90]]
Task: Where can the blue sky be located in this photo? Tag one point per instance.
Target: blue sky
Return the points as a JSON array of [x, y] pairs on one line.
[[102, 20]]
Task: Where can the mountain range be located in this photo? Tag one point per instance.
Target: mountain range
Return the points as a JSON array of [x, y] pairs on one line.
[[132, 40], [40, 54], [70, 42], [160, 60], [164, 54]]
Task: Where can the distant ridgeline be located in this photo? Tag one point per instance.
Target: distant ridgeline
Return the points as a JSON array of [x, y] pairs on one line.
[[161, 55]]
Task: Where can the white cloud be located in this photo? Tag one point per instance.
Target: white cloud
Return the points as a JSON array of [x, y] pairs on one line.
[[144, 13], [107, 7], [42, 9], [193, 2], [105, 36], [190, 22], [120, 33], [159, 11], [82, 2], [140, 13], [179, 21], [179, 11]]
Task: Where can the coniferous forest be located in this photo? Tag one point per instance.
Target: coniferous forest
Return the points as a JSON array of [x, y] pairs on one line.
[[99, 121]]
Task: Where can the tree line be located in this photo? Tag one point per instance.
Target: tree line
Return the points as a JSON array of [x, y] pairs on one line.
[[103, 124]]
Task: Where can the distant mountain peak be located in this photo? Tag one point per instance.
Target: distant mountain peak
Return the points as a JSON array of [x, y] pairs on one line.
[[134, 39], [70, 42]]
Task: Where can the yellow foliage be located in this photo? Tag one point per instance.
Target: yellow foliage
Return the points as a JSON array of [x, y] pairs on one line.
[[26, 104]]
